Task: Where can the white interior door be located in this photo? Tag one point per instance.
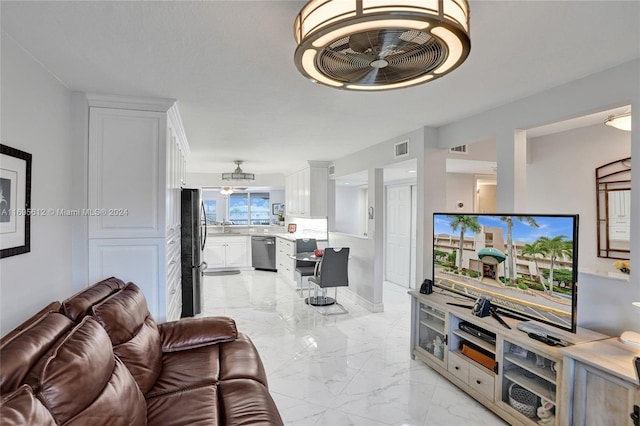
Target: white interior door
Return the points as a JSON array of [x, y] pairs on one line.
[[398, 238], [414, 224]]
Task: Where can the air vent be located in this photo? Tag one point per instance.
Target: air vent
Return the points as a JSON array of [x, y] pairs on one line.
[[332, 170], [401, 149], [462, 149]]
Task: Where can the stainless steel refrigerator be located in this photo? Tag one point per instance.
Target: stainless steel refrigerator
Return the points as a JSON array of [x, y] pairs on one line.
[[194, 237]]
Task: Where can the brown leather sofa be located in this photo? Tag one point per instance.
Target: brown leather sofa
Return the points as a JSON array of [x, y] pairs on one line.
[[99, 358]]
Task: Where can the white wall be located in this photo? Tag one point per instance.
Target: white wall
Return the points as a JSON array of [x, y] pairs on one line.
[[367, 267], [36, 118], [348, 210], [564, 163], [460, 187]]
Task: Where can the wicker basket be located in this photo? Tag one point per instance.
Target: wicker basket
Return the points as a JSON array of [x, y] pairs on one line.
[[522, 400]]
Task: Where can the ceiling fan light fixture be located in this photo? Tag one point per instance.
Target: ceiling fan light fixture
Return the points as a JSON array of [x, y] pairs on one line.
[[620, 121], [380, 44], [238, 175]]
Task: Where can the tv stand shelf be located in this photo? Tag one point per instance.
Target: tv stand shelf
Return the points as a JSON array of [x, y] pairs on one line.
[[522, 366]]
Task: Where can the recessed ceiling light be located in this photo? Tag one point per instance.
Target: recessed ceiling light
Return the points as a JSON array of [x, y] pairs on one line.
[[411, 171]]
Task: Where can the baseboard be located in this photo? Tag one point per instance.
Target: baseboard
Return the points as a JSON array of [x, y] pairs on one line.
[[359, 300]]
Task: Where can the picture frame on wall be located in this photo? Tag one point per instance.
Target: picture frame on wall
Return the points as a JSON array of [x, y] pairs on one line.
[[15, 201], [277, 208]]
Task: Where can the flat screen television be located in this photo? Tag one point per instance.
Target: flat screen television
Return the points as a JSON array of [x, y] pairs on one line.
[[524, 264]]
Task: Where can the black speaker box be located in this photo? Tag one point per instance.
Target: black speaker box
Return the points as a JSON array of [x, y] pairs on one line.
[[481, 308], [426, 287]]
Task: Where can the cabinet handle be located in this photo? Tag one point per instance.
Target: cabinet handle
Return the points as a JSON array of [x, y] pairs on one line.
[[173, 291], [456, 367], [479, 382]]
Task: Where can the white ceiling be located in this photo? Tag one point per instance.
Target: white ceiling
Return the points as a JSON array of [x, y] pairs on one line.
[[230, 66]]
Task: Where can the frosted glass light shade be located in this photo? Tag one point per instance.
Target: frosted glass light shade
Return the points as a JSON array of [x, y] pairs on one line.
[[380, 44], [620, 121]]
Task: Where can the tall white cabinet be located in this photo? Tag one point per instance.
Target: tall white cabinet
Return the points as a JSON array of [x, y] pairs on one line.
[[136, 165], [306, 191]]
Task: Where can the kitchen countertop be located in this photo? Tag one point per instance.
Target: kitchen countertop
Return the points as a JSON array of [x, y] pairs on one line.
[[274, 231]]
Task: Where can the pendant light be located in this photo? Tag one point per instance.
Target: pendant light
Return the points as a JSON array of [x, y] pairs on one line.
[[380, 44], [238, 175], [620, 121]]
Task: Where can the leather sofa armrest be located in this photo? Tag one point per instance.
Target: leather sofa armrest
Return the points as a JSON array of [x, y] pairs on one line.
[[190, 333]]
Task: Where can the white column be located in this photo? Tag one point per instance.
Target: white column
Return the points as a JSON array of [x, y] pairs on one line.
[[376, 230]]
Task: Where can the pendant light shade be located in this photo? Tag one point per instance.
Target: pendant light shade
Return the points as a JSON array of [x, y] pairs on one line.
[[380, 44], [238, 175], [620, 121]]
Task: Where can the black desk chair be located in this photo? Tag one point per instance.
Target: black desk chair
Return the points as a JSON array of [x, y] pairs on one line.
[[333, 272], [303, 267]]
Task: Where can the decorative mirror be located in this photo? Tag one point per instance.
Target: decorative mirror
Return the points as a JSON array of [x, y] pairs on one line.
[[613, 203]]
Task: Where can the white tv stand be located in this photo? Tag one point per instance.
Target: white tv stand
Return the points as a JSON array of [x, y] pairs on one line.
[[519, 360]]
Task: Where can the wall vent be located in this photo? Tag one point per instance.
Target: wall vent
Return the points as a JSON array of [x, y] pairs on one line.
[[462, 149], [401, 149], [332, 170]]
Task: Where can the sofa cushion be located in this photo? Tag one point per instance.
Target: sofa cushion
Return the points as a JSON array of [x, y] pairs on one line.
[[187, 370], [79, 305], [247, 402], [189, 333], [22, 408], [22, 351], [193, 407], [133, 333], [83, 383], [240, 360], [51, 307]]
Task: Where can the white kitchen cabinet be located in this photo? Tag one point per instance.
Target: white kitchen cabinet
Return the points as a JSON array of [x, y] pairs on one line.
[[228, 252], [285, 265], [215, 254], [306, 191], [136, 153]]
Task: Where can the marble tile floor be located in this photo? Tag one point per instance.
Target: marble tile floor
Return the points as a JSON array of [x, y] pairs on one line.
[[351, 369]]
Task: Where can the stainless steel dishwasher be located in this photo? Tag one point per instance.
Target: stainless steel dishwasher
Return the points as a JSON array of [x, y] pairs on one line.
[[263, 253]]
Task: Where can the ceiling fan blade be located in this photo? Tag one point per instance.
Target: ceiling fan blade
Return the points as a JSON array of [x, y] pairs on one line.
[[364, 42]]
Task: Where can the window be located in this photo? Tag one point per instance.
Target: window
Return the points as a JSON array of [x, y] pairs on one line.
[[252, 208], [210, 211], [260, 208], [239, 208]]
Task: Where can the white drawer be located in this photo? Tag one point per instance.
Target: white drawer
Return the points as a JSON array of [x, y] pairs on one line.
[[285, 246], [458, 367], [482, 382]]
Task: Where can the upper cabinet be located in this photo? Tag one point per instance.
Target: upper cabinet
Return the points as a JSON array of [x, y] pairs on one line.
[[136, 167], [306, 191]]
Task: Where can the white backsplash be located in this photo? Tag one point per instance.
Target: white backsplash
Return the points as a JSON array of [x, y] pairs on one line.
[[306, 226]]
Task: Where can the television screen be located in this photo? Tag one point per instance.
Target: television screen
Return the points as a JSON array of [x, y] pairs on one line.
[[524, 264]]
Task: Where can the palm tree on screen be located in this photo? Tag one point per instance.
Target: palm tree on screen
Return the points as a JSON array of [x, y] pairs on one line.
[[463, 222], [534, 250], [554, 248], [509, 221]]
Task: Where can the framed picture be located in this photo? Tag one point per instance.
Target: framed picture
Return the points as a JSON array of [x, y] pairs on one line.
[[15, 201], [277, 208]]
